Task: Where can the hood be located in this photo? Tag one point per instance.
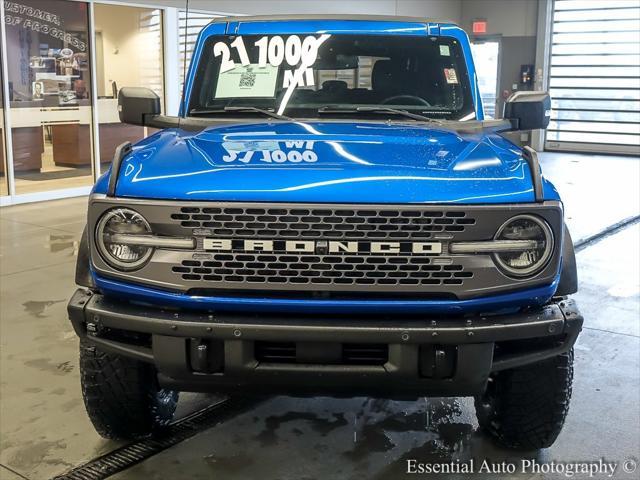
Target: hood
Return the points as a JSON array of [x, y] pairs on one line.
[[326, 162]]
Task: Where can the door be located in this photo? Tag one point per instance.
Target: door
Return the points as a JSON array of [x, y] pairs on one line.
[[486, 55], [128, 43], [594, 78]]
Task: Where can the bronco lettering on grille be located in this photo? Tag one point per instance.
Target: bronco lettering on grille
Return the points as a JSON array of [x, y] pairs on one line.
[[321, 247]]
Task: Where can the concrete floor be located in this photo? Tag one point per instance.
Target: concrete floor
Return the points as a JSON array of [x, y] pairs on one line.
[[44, 430]]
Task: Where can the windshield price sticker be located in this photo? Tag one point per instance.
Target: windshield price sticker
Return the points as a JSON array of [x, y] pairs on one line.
[[296, 52], [450, 75], [251, 80]]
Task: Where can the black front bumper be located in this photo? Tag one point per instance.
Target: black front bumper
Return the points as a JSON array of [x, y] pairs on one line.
[[309, 354]]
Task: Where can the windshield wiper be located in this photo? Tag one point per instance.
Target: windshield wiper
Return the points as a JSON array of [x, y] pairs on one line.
[[397, 111], [246, 108], [379, 109]]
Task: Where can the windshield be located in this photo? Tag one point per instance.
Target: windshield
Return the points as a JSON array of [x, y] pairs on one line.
[[312, 75]]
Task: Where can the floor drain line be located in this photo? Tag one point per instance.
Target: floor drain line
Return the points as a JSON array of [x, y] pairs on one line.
[[610, 230], [134, 453]]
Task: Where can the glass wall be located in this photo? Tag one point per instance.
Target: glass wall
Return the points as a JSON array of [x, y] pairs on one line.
[[63, 132], [66, 60], [128, 43], [48, 58]]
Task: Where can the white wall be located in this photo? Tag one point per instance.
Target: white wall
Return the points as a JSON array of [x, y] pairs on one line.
[[442, 10], [436, 9], [505, 17], [119, 29]]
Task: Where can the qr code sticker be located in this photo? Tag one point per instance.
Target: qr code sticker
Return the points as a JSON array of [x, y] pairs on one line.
[[247, 79]]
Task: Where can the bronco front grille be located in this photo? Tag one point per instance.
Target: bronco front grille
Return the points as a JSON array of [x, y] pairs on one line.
[[320, 270], [327, 223], [420, 264]]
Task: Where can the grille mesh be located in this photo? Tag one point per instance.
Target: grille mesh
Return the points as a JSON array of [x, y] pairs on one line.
[[310, 269], [322, 223]]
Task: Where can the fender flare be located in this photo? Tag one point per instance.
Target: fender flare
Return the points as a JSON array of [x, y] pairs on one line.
[[84, 278], [569, 274]]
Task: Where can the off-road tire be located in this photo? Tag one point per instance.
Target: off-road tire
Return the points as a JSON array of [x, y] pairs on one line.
[[524, 408], [122, 396]]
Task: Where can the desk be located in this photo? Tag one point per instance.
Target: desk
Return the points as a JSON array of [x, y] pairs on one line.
[[70, 135], [28, 146], [71, 145]]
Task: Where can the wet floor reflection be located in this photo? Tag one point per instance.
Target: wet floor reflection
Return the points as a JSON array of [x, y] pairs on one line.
[[305, 438], [60, 243], [38, 308]]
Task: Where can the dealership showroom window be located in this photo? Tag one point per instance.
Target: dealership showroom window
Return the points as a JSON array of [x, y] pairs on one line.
[[311, 239]]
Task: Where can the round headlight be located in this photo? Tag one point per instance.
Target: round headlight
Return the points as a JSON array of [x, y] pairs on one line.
[[118, 254], [525, 262]]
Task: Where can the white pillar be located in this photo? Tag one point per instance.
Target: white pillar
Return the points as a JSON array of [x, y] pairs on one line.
[[543, 52], [95, 125], [172, 68]]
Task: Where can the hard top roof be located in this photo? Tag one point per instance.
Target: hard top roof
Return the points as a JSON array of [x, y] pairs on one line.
[[328, 17]]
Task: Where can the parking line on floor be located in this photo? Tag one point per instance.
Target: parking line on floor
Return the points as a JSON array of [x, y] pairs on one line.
[[610, 230], [133, 453], [611, 332], [8, 469]]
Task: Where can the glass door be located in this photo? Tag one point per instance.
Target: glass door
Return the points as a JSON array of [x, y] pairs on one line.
[[486, 54], [128, 43], [48, 60]]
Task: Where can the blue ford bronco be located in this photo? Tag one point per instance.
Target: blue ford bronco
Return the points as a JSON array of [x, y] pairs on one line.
[[329, 214]]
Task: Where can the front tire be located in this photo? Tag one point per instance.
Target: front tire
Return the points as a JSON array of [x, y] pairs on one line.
[[122, 396], [525, 408]]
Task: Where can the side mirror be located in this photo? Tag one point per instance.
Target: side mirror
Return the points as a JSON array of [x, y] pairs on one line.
[[528, 110], [136, 104], [141, 106]]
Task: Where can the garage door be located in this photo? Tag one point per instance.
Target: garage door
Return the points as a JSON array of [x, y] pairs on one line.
[[595, 76]]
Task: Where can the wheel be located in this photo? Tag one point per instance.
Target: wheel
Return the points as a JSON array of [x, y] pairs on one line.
[[525, 408], [122, 396]]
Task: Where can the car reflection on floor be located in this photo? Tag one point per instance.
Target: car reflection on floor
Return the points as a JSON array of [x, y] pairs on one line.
[[305, 438]]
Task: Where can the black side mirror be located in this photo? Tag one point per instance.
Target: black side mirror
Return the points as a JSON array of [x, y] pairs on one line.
[[141, 106], [528, 110], [135, 104]]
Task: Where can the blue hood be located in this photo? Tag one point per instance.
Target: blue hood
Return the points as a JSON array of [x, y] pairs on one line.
[[327, 162]]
